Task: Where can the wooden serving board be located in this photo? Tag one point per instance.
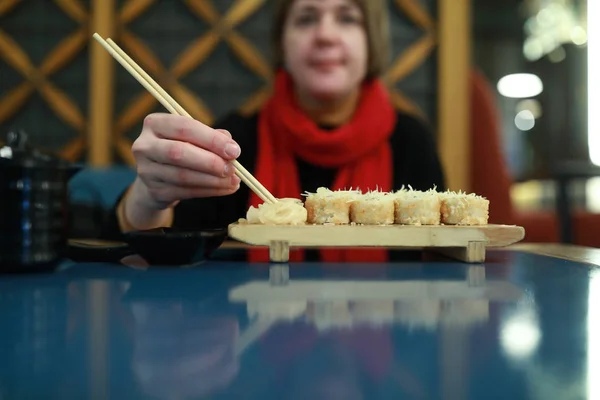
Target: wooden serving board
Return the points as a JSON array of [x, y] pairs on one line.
[[465, 243]]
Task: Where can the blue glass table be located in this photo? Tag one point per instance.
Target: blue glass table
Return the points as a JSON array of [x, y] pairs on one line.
[[521, 326]]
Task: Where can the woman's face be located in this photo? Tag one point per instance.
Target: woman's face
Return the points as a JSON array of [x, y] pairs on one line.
[[325, 47]]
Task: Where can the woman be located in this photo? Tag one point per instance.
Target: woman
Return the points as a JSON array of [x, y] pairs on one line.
[[329, 123]]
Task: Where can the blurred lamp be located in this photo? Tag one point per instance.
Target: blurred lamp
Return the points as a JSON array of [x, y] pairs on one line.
[[531, 105], [525, 120], [520, 86], [551, 24]]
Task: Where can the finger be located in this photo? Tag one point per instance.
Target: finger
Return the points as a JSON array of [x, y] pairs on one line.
[[185, 129], [223, 131], [186, 155], [186, 177]]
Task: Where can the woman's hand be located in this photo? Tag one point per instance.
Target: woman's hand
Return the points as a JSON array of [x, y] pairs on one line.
[[179, 158]]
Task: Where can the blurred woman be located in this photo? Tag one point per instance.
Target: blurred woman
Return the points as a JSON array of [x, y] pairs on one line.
[[329, 123]]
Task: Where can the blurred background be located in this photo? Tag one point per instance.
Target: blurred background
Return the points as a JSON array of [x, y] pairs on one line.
[[504, 84]]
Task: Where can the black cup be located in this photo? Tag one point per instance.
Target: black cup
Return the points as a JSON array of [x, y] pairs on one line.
[[34, 207]]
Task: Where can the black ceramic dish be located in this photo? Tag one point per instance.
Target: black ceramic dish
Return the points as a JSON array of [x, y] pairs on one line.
[[168, 246], [92, 250], [160, 246]]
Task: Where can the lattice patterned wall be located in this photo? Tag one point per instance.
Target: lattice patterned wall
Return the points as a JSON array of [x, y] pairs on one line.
[[43, 72], [212, 56]]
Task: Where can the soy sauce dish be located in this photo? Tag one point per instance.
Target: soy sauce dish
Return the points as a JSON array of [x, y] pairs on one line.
[[165, 247], [168, 246]]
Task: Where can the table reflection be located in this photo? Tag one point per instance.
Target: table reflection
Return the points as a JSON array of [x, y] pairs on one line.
[[593, 345], [34, 332], [329, 304], [295, 332], [178, 355], [332, 338]]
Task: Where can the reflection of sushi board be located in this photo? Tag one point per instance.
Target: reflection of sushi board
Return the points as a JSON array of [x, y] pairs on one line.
[[465, 243], [346, 304], [297, 292]]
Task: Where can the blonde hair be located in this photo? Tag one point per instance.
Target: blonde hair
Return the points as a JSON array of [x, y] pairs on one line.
[[376, 26]]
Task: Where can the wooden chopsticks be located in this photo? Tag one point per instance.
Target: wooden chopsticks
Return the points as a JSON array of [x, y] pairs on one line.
[[174, 108]]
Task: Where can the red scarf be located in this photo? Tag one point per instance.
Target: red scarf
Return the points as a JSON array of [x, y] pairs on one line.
[[360, 151]]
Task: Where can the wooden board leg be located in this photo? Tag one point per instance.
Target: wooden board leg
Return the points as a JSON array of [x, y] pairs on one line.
[[473, 253], [279, 274], [476, 275], [279, 251]]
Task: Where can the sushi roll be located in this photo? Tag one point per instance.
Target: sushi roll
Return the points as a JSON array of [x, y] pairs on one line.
[[464, 312], [415, 207], [418, 314], [330, 315], [372, 312], [281, 310], [329, 206], [464, 209], [287, 211], [373, 208]]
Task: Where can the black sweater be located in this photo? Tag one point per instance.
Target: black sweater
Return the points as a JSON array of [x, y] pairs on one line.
[[415, 162]]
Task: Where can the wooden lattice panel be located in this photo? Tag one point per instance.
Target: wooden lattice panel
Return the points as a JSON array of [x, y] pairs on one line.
[[221, 28], [412, 56], [38, 78], [214, 58], [224, 27]]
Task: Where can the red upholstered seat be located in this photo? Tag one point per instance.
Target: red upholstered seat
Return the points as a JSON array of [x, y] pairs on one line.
[[490, 176]]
